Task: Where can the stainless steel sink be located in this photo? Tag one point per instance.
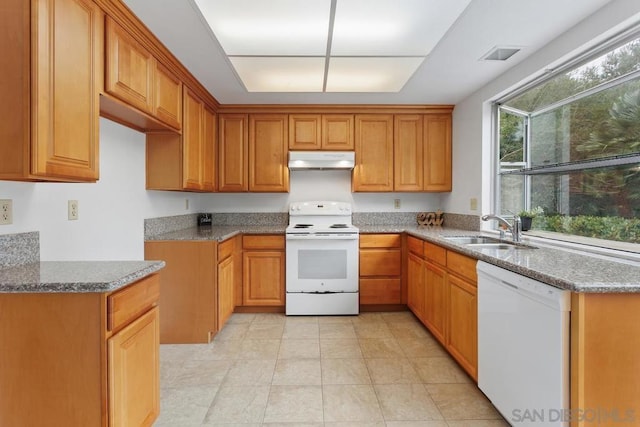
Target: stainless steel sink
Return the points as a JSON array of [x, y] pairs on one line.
[[471, 240], [485, 242], [500, 245]]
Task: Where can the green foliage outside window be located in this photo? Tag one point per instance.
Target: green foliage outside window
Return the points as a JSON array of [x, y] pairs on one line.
[[602, 202]]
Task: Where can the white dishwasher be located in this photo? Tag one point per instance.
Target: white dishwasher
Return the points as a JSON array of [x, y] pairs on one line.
[[523, 347]]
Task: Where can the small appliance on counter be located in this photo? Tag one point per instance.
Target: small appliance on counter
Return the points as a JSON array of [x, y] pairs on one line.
[[204, 220]]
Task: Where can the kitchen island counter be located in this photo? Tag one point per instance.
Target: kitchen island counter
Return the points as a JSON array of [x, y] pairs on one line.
[[74, 276]]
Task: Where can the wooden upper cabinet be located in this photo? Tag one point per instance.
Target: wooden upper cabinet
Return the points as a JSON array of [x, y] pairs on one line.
[[408, 147], [337, 132], [437, 152], [374, 153], [51, 79], [209, 150], [188, 161], [305, 131], [268, 135], [193, 147], [167, 102], [232, 152], [140, 92], [129, 69], [332, 132]]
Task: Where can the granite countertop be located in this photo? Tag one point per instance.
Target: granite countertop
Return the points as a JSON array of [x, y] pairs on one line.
[[564, 269], [74, 276], [571, 270], [218, 232]]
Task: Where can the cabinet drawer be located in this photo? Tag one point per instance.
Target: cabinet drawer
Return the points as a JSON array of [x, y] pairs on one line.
[[435, 253], [226, 249], [127, 304], [415, 246], [462, 265], [380, 262], [263, 242], [380, 240], [379, 291]]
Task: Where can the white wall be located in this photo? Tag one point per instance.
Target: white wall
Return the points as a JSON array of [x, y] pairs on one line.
[[471, 117], [111, 211], [334, 185]]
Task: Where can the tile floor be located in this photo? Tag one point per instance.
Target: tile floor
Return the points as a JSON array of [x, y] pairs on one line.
[[376, 369]]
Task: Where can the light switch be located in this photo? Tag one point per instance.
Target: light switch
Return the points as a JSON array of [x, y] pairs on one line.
[[473, 204]]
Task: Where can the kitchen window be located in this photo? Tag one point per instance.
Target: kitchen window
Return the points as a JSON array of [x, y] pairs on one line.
[[570, 144]]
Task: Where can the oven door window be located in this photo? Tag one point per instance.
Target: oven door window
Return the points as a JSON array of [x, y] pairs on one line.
[[322, 264]]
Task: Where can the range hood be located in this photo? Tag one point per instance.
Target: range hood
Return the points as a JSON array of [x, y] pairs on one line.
[[301, 160]]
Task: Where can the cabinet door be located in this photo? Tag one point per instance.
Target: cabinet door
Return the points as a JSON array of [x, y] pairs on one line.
[[437, 152], [462, 331], [263, 278], [268, 171], [380, 262], [193, 147], [374, 153], [67, 70], [232, 152], [226, 282], [167, 100], [129, 69], [380, 291], [415, 284], [435, 300], [337, 132], [408, 159], [304, 131], [134, 373], [209, 152]]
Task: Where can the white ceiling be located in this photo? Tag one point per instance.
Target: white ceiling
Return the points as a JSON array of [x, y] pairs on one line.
[[451, 72]]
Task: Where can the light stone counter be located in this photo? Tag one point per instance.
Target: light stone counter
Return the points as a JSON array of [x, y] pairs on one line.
[[74, 276], [577, 272]]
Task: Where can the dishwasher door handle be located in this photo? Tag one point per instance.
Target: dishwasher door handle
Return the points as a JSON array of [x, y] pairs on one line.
[[511, 285]]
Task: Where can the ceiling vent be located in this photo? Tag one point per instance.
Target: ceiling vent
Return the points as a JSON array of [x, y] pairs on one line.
[[500, 53]]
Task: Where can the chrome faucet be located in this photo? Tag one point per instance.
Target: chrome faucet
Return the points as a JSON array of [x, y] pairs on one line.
[[514, 228]]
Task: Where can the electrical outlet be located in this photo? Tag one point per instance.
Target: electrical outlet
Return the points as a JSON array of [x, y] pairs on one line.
[[473, 204], [6, 211], [72, 210], [396, 203]]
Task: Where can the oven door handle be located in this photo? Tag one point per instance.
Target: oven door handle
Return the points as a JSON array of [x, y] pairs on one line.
[[322, 236]]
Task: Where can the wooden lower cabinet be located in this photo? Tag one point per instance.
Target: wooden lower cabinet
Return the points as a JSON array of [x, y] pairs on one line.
[[188, 296], [415, 285], [134, 383], [462, 326], [226, 280], [263, 277], [435, 302], [80, 359], [605, 359], [442, 293], [380, 269]]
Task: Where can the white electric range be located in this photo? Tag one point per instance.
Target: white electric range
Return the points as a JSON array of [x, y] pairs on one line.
[[322, 259]]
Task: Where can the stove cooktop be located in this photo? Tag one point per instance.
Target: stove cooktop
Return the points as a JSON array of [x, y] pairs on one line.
[[321, 228]]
